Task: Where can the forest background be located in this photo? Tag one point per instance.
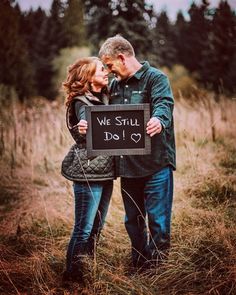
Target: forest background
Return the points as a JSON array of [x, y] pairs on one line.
[[37, 46], [36, 202]]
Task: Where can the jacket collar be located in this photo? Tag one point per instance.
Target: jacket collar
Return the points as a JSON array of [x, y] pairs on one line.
[[91, 97], [144, 68]]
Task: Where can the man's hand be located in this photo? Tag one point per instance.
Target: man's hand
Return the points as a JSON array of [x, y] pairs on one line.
[[83, 126], [153, 126]]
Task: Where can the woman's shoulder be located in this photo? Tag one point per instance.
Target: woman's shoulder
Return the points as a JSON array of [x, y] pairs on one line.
[[84, 99]]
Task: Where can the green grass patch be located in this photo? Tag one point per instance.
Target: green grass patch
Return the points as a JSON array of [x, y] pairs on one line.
[[40, 182], [212, 193], [42, 228], [229, 161]]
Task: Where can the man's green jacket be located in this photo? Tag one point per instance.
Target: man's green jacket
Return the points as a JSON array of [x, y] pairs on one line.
[[148, 85]]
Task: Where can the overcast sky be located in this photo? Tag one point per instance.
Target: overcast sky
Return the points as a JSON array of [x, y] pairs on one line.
[[171, 6]]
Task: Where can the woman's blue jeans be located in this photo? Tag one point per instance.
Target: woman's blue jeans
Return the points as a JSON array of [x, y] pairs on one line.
[[91, 206], [148, 200]]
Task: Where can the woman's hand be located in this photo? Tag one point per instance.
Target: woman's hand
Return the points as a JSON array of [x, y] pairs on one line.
[[83, 126]]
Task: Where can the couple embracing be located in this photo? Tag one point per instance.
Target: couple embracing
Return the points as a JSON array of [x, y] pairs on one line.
[[146, 180]]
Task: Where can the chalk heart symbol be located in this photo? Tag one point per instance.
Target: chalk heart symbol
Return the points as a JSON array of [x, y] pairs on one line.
[[136, 137]]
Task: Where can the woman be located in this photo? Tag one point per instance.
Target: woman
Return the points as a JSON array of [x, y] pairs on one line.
[[86, 84]]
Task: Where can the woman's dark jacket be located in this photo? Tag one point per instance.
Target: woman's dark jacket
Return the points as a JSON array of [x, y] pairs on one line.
[[76, 166]]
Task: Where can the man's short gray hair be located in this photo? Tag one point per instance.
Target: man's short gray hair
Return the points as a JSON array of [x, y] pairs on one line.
[[115, 45]]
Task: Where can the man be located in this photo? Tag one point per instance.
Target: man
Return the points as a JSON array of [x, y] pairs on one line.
[[147, 180]]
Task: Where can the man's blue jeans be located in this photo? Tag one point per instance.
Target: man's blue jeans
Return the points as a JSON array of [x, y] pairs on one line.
[[148, 199], [91, 206]]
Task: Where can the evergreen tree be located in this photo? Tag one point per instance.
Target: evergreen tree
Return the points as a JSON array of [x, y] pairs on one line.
[[196, 36], [46, 36], [129, 18], [36, 32], [132, 20], [180, 35], [44, 65], [55, 28], [73, 21], [164, 46], [52, 37], [219, 60], [99, 17], [230, 77], [16, 70]]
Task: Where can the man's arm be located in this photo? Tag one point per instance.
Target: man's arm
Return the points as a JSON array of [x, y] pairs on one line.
[[162, 104]]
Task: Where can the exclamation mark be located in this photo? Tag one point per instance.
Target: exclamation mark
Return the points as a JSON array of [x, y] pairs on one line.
[[123, 134]]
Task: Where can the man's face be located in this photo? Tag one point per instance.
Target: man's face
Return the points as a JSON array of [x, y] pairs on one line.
[[116, 66]]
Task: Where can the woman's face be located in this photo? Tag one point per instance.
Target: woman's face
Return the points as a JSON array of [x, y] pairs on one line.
[[100, 78]]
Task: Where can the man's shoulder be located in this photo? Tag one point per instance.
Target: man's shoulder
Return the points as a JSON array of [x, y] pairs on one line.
[[155, 71]]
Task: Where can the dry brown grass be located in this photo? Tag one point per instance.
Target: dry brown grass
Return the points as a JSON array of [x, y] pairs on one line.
[[36, 206]]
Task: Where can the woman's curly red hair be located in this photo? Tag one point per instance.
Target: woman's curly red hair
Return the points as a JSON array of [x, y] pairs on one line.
[[79, 76]]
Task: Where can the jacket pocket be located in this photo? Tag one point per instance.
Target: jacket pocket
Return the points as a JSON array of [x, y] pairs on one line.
[[139, 96], [115, 97]]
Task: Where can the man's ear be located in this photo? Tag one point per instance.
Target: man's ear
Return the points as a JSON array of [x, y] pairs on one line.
[[121, 58]]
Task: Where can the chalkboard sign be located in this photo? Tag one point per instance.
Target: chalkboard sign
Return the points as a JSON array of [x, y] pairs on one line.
[[118, 130]]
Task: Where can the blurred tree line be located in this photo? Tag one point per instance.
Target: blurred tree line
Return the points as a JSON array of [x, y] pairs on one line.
[[32, 41]]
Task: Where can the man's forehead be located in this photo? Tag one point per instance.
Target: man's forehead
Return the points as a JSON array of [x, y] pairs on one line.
[[107, 59]]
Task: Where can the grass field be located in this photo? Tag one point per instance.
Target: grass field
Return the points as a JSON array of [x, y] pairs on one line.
[[36, 207]]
